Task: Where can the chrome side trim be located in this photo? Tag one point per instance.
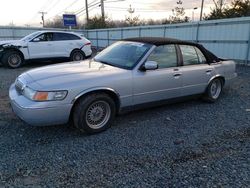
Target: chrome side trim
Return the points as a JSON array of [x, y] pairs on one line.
[[95, 89]]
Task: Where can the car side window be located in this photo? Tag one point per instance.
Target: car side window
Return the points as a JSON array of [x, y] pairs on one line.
[[65, 36], [201, 56], [165, 56], [190, 56], [45, 37]]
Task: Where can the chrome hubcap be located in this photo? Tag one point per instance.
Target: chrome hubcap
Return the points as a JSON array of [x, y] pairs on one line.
[[98, 114], [215, 89], [14, 60]]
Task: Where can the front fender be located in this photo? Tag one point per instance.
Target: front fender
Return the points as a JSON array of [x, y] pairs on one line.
[[95, 89]]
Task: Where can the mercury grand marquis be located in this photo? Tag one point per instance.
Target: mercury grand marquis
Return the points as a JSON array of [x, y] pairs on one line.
[[128, 74]]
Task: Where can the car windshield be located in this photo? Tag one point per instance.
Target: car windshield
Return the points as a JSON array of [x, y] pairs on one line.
[[123, 54], [30, 36]]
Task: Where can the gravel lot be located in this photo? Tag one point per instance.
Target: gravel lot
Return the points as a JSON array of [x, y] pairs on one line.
[[189, 144]]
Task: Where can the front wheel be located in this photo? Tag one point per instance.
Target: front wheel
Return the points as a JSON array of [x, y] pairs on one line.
[[94, 113], [213, 90], [12, 59], [77, 55]]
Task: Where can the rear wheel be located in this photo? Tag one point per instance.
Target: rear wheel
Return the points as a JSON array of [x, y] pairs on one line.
[[77, 55], [12, 59], [94, 113], [213, 90]]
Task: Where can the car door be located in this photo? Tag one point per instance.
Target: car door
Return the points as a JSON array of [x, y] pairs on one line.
[[65, 43], [196, 72], [41, 46], [162, 83]]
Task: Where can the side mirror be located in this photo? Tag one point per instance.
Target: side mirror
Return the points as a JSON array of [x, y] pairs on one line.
[[150, 65], [36, 40]]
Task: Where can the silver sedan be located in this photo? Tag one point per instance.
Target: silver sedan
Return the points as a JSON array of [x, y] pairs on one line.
[[127, 75]]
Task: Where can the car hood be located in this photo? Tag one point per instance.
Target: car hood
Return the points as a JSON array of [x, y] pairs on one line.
[[11, 42], [60, 75]]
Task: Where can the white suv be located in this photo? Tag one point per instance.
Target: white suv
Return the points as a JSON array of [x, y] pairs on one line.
[[44, 45]]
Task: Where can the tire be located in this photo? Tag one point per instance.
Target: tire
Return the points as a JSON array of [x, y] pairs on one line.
[[12, 59], [213, 90], [94, 113], [77, 55]]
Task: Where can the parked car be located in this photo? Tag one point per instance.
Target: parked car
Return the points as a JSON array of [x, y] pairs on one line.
[[132, 73], [44, 45]]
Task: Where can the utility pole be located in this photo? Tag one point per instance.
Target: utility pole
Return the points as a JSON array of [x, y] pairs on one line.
[[221, 4], [87, 10], [102, 8], [202, 6], [43, 20]]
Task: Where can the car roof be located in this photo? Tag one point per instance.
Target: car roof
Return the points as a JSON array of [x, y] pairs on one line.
[[55, 31], [157, 41]]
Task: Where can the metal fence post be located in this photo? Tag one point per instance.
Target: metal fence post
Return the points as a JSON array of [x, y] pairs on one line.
[[248, 46], [165, 29], [108, 36], [13, 33], [87, 33], [197, 32], [96, 35], [121, 33]]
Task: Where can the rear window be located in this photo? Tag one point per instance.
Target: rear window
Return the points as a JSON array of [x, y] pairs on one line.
[[65, 36]]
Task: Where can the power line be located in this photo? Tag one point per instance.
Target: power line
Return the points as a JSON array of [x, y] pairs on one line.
[[93, 3], [89, 9], [51, 7], [41, 8], [45, 5], [83, 8], [74, 2], [62, 11]]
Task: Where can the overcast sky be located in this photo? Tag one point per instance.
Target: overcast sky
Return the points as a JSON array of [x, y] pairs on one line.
[[22, 12]]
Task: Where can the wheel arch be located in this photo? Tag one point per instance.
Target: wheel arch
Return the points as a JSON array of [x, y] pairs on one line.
[[13, 49], [109, 91], [218, 76], [77, 49]]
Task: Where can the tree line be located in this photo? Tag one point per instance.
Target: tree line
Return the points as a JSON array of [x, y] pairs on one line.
[[237, 8]]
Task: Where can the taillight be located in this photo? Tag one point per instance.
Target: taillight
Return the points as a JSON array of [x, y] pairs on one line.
[[89, 43]]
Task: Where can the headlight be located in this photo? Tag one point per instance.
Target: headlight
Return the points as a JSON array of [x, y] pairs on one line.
[[44, 95]]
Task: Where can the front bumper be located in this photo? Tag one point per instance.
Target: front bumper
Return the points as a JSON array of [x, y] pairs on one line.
[[38, 113]]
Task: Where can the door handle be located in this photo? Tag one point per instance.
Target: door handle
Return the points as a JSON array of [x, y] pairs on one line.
[[177, 75], [209, 70]]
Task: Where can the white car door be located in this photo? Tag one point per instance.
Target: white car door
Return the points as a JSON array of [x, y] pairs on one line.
[[162, 83], [65, 43], [41, 46], [196, 71]]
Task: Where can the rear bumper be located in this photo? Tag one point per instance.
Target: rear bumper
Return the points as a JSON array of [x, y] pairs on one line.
[[30, 113], [230, 80], [87, 50]]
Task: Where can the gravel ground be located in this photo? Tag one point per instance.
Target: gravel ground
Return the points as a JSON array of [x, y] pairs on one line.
[[189, 144]]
